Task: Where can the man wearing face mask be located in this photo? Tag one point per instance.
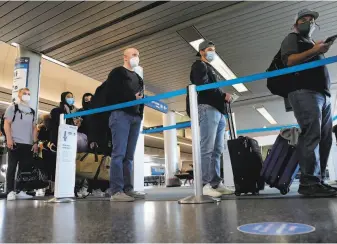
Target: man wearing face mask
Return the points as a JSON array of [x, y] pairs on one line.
[[310, 99], [124, 85], [21, 136], [212, 121]]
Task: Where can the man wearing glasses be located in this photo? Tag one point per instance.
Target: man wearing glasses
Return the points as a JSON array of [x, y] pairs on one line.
[[310, 99], [21, 136]]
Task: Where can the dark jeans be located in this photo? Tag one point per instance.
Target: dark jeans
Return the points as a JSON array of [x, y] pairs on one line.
[[21, 154], [125, 131], [313, 113]]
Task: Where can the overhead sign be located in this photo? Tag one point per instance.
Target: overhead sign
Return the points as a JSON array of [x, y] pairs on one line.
[[276, 228], [20, 76], [158, 105], [66, 161]]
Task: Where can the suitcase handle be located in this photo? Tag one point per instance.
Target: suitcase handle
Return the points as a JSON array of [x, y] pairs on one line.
[[230, 121]]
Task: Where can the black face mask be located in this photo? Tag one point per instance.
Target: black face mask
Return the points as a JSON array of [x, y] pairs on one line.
[[86, 105], [306, 28]]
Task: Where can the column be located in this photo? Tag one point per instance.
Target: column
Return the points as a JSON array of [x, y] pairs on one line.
[[170, 149], [180, 163], [138, 163], [27, 74]]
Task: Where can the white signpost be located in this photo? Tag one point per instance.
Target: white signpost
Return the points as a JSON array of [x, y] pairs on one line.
[[65, 163]]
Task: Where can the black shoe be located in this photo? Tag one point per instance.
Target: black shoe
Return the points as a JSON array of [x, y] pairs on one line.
[[329, 186], [317, 190]]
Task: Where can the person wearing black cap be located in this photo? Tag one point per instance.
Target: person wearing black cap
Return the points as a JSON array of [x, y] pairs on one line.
[[211, 107], [86, 100], [309, 97]]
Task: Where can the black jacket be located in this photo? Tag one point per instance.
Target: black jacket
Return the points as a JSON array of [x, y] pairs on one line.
[[118, 87], [203, 73], [84, 128]]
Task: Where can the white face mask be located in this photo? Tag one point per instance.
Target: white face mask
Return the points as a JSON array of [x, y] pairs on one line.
[[139, 71], [134, 62], [26, 98]]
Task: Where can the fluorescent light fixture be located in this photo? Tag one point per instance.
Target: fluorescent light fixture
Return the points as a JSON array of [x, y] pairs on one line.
[[183, 115], [14, 44], [266, 115], [54, 61], [221, 67], [162, 139]]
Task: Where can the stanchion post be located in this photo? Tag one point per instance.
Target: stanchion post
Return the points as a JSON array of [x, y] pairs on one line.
[[65, 163], [197, 173]]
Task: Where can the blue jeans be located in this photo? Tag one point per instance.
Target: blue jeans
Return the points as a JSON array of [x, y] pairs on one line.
[[125, 131], [212, 135], [313, 113]]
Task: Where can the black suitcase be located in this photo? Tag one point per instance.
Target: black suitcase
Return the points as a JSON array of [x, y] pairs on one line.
[[246, 160], [282, 163]]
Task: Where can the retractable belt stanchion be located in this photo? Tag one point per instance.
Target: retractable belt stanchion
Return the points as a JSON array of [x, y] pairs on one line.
[[197, 174], [65, 163]]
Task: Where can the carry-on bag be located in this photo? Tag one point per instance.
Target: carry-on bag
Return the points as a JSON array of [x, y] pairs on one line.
[[282, 163], [246, 160], [93, 166]]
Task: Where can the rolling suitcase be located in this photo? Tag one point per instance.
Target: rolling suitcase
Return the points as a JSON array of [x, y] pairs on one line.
[[281, 164], [246, 160]]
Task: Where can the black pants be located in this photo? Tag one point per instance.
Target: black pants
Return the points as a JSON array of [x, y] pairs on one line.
[[22, 154]]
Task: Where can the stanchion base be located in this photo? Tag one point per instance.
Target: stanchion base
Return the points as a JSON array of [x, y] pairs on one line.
[[60, 200], [198, 200]]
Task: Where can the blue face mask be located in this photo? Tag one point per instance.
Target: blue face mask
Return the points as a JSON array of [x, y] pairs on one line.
[[210, 55], [70, 101]]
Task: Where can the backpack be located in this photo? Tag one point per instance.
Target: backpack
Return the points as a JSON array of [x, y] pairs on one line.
[[16, 110], [98, 124], [280, 85]]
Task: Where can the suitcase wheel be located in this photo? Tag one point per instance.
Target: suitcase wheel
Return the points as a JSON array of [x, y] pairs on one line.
[[284, 191], [237, 194]]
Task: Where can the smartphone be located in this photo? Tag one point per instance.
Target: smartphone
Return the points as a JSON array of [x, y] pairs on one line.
[[331, 39]]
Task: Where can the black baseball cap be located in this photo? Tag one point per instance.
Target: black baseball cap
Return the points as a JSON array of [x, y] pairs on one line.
[[203, 45]]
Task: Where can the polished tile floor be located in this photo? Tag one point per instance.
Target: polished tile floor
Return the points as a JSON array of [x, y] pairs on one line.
[[163, 221]]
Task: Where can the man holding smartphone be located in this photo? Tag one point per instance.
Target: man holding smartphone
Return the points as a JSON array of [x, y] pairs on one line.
[[124, 85], [21, 135], [309, 97]]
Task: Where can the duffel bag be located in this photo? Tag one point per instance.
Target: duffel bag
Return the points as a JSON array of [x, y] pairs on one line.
[[93, 166], [31, 178]]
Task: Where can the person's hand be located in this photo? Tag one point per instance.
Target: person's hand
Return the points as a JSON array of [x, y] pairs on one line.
[[93, 144], [50, 146], [321, 47], [35, 148], [139, 95], [10, 143], [77, 122], [228, 97]]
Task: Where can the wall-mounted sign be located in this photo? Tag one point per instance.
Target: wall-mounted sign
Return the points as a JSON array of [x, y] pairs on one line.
[[157, 105], [20, 76]]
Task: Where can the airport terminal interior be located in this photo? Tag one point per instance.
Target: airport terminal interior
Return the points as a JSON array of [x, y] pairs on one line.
[[53, 47]]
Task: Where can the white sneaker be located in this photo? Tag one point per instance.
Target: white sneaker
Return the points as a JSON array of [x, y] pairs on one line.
[[136, 194], [22, 195], [83, 192], [208, 190], [98, 193], [11, 196], [224, 190], [121, 197], [40, 193]]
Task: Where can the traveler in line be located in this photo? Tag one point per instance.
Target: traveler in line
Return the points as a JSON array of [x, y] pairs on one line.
[[86, 101], [212, 110], [123, 85], [66, 107], [21, 135], [310, 99]]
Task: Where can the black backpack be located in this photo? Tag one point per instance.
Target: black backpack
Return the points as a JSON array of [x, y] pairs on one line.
[[280, 85], [98, 124], [16, 110]]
